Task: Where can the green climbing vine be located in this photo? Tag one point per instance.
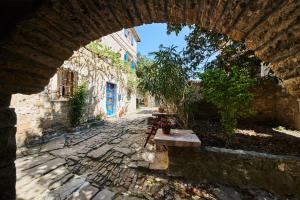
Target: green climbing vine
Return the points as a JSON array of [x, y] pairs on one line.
[[120, 65], [78, 104]]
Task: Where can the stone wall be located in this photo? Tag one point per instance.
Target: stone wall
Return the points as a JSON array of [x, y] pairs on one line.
[[279, 174], [37, 113], [47, 35], [273, 103]]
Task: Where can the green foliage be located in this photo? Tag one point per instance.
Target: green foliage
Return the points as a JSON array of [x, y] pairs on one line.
[[208, 49], [106, 52], [120, 65], [77, 104], [186, 107], [225, 86], [131, 83], [144, 64], [100, 116], [229, 92], [164, 77]]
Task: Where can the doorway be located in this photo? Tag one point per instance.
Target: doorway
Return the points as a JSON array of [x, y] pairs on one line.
[[110, 99]]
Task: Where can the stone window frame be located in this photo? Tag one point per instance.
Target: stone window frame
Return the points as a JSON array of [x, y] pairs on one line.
[[67, 81], [132, 39], [133, 65], [126, 32], [126, 56]]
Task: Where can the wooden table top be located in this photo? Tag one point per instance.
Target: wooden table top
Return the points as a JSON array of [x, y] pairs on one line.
[[177, 137]]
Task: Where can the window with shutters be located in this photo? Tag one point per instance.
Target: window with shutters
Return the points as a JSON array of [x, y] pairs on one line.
[[126, 56], [66, 82], [132, 65], [126, 32]]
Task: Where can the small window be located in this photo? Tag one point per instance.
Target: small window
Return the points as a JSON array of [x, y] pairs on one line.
[[129, 95], [126, 32], [132, 65], [132, 39], [66, 81], [126, 57]]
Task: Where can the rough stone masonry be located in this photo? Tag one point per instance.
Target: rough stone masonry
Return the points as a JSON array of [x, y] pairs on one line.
[[36, 37], [40, 35]]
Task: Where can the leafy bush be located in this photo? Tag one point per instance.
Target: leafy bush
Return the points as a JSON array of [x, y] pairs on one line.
[[164, 77], [103, 51], [78, 104], [121, 66], [100, 116], [229, 92]]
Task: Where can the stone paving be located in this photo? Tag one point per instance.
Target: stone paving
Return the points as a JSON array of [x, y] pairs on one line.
[[109, 162]]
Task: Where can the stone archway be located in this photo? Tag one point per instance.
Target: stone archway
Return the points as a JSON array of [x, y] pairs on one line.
[[44, 36]]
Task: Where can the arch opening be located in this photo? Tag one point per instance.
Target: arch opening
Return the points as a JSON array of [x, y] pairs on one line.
[[40, 44], [46, 36]]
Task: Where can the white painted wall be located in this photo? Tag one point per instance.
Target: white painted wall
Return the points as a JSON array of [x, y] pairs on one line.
[[118, 42]]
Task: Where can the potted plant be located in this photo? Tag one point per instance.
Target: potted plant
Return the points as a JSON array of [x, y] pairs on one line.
[[166, 125], [161, 110]]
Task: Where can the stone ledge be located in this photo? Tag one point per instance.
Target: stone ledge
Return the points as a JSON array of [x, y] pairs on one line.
[[276, 173]]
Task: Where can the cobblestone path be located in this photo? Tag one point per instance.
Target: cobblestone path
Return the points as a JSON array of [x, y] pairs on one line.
[[108, 162]]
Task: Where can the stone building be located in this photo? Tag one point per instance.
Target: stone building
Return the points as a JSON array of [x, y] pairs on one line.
[[109, 94]]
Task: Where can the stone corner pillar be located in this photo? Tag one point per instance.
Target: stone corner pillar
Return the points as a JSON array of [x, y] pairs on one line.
[[8, 121]]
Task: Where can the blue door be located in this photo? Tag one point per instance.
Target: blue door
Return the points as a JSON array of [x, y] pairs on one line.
[[110, 98]]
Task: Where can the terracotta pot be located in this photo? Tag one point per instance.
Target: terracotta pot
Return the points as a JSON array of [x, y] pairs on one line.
[[161, 110], [166, 130]]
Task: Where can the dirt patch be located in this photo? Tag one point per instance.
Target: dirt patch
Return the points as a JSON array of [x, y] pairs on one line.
[[251, 137]]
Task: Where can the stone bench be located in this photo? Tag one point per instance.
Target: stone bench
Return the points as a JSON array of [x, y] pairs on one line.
[[178, 138], [276, 173]]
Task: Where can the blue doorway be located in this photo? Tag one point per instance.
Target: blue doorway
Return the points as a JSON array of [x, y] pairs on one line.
[[110, 98]]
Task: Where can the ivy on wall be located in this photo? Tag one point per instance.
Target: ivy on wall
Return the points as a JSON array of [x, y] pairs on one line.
[[120, 65]]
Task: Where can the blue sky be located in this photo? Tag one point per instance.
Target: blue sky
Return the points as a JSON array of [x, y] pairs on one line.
[[152, 35]]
